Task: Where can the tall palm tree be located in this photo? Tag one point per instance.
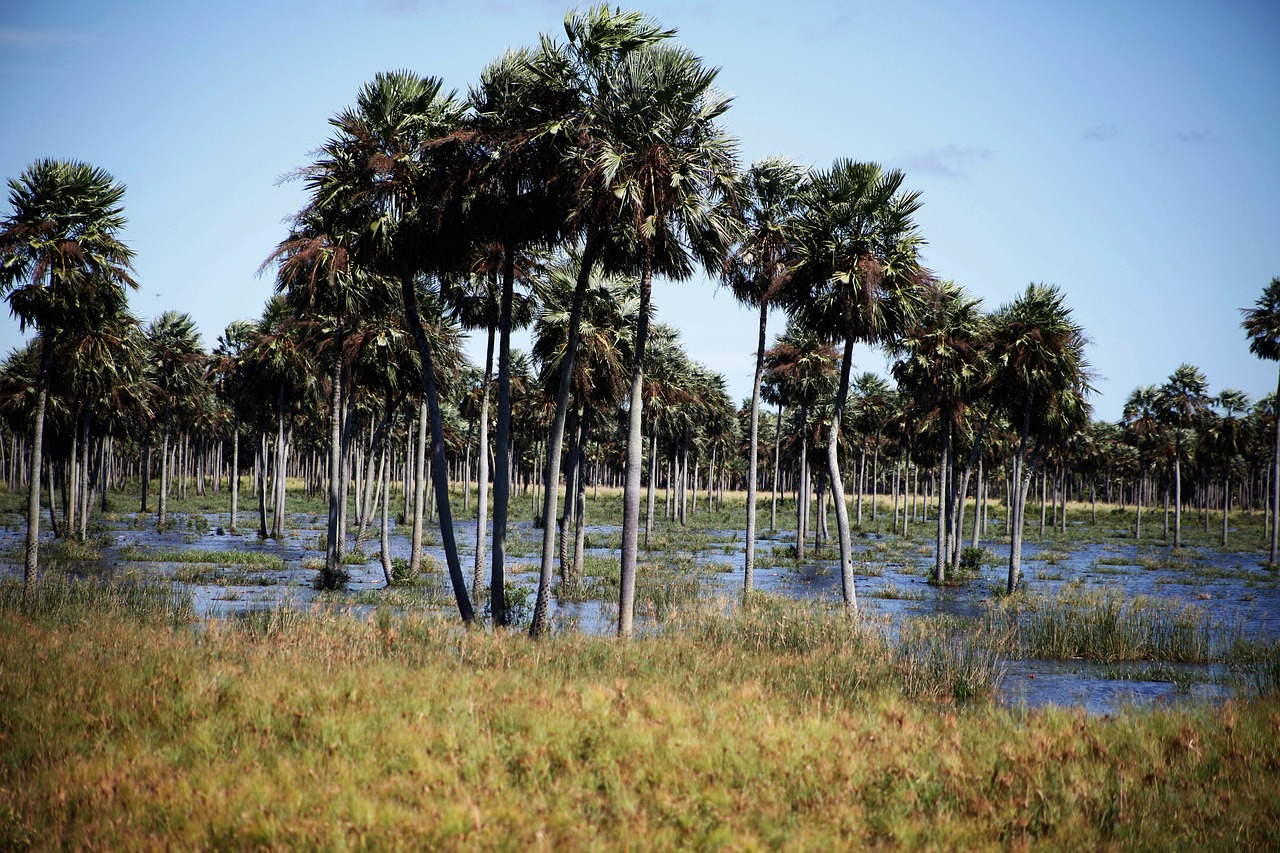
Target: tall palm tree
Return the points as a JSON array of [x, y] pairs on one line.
[[1227, 435], [1262, 326], [800, 371], [175, 364], [62, 265], [227, 368], [589, 63], [942, 364], [757, 271], [520, 202], [1183, 399], [668, 163], [1141, 419], [393, 172], [859, 271], [1041, 380]]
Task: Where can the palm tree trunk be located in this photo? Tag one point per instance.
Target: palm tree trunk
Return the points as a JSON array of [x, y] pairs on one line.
[[803, 489], [837, 484], [482, 476], [653, 476], [329, 575], [502, 450], [37, 445], [235, 471], [944, 464], [631, 487], [555, 445], [1275, 488], [1018, 499], [419, 491], [777, 459]]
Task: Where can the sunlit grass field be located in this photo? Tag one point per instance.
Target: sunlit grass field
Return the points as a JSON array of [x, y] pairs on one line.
[[127, 726]]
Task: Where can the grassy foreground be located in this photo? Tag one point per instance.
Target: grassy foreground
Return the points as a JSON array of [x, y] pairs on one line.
[[129, 727]]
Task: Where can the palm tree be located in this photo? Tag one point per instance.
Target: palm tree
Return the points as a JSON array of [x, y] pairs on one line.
[[62, 266], [942, 363], [599, 377], [598, 44], [799, 372], [521, 201], [859, 271], [1262, 326], [665, 159], [1144, 430], [227, 368], [1183, 399], [1041, 381], [390, 174], [175, 364], [1226, 435], [757, 272]]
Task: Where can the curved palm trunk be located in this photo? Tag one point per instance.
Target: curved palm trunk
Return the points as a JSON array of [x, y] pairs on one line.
[[439, 464], [803, 487], [555, 446], [277, 519], [482, 476], [749, 560], [32, 562], [631, 486], [164, 473], [837, 484]]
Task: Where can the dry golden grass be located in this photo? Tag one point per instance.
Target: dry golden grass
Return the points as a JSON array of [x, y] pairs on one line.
[[326, 731]]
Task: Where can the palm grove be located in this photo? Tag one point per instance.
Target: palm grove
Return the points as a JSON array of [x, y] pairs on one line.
[[569, 176]]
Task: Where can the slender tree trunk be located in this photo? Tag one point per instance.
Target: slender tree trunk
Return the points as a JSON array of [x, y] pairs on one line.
[[235, 471], [482, 476], [749, 559], [837, 484], [631, 488], [944, 464], [419, 490], [31, 566], [1017, 495], [653, 476], [777, 460], [555, 445], [1275, 487], [330, 574], [384, 533]]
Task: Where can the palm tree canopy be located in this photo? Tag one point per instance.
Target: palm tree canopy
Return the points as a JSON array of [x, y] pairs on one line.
[[857, 265], [1262, 323], [769, 196], [62, 263]]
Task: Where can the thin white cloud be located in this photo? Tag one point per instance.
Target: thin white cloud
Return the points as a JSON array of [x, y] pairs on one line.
[[1194, 137], [950, 160], [24, 38], [1101, 132]]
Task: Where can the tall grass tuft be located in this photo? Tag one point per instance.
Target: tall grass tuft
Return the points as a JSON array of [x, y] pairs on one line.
[[1106, 627], [65, 599], [940, 662]]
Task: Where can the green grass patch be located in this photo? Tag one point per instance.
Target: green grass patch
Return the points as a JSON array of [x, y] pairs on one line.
[[259, 559]]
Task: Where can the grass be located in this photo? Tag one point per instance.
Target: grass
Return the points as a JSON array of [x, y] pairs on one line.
[[773, 726], [259, 559], [1105, 627]]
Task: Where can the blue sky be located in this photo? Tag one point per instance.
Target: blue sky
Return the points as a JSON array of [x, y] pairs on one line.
[[1128, 153]]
